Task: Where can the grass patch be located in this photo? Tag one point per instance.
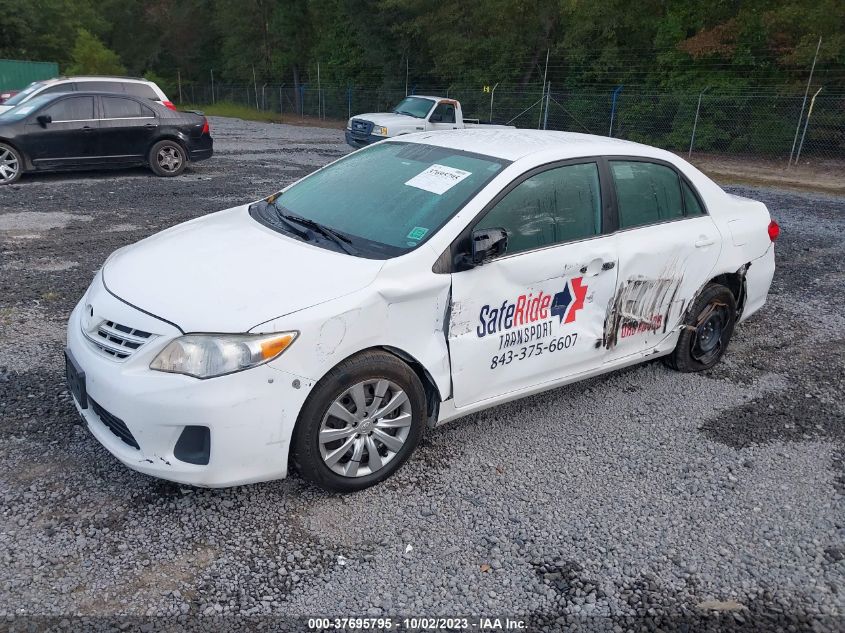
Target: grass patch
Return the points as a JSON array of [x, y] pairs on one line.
[[247, 113]]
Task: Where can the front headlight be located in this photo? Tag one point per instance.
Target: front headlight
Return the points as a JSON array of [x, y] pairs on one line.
[[349, 124], [378, 130], [209, 355]]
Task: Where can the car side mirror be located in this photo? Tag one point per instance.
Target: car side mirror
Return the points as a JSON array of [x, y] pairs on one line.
[[488, 244], [436, 118], [44, 119]]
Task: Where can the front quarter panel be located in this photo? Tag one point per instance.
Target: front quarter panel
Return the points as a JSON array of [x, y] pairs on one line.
[[404, 310]]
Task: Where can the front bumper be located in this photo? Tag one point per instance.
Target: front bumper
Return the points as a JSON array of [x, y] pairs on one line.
[[250, 414], [358, 141]]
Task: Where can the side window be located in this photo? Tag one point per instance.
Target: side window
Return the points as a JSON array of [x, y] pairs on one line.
[[71, 109], [646, 193], [559, 205], [99, 86], [691, 203], [443, 113], [57, 88], [117, 108], [140, 90]]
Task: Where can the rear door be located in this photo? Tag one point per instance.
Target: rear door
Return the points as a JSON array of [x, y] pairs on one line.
[[127, 128], [70, 138], [535, 314], [668, 245]]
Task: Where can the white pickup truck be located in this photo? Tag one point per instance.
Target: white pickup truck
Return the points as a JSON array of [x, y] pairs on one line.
[[413, 114]]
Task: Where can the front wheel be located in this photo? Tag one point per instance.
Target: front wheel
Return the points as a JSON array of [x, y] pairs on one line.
[[167, 158], [707, 330], [360, 424], [11, 164]]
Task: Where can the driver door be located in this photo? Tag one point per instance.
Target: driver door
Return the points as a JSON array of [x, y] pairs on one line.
[[535, 314], [443, 117], [70, 138]]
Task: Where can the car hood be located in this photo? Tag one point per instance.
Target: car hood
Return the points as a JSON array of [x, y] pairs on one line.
[[225, 272], [390, 119]]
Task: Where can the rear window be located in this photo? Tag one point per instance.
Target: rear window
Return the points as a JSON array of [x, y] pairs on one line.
[[145, 91], [646, 193]]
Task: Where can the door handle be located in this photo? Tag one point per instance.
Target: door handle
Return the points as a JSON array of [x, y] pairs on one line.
[[87, 128], [151, 125], [703, 241], [596, 266]]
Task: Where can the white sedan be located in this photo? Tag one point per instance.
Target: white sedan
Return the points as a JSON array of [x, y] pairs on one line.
[[405, 285]]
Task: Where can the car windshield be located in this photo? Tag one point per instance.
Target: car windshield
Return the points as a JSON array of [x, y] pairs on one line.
[[23, 94], [385, 199], [25, 109], [416, 107]]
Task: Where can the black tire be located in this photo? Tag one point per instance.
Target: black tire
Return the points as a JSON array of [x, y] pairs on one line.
[[167, 158], [306, 453], [708, 329], [11, 164]]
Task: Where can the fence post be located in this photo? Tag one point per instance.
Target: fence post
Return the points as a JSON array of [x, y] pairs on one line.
[[349, 101], [806, 123], [492, 92], [301, 99], [804, 103], [546, 112], [281, 100], [613, 106], [695, 122], [212, 86]]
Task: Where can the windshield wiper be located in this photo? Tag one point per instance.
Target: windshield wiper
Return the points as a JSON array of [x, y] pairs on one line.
[[405, 113], [279, 216], [341, 240]]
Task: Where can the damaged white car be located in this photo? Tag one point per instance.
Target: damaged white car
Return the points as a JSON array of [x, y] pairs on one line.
[[405, 285]]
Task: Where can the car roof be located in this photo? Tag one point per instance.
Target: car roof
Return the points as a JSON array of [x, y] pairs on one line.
[[57, 80], [512, 144]]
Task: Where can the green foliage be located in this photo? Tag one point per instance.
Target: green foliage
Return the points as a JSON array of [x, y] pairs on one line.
[[682, 45], [91, 57]]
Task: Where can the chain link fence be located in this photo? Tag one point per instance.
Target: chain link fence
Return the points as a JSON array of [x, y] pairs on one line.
[[767, 127]]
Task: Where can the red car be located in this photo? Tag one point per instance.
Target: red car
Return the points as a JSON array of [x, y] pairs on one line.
[[7, 95]]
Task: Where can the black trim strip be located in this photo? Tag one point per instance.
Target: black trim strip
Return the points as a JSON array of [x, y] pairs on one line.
[[132, 305]]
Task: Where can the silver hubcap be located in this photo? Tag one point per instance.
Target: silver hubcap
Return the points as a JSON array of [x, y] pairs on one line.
[[365, 428], [8, 164], [169, 158]]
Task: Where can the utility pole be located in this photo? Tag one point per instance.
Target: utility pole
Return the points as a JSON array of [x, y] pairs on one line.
[[804, 103], [545, 73], [255, 87]]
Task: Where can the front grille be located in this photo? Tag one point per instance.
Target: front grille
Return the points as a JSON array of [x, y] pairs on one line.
[[115, 425], [116, 340], [361, 128]]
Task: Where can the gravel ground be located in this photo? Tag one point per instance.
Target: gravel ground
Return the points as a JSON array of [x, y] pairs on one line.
[[650, 497]]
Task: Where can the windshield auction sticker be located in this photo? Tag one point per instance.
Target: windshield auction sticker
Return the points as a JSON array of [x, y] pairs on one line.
[[438, 179]]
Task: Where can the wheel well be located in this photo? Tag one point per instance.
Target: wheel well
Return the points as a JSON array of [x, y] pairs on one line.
[[735, 282], [432, 393], [16, 148]]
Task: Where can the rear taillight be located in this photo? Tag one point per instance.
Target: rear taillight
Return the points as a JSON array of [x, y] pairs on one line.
[[774, 230], [168, 104], [206, 128]]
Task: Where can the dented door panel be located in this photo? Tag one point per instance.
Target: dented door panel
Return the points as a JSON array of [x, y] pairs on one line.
[[661, 270], [529, 318]]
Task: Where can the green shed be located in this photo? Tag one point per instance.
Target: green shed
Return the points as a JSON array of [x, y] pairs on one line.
[[16, 74]]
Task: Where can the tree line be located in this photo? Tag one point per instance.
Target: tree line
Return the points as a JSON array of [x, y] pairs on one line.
[[667, 45]]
